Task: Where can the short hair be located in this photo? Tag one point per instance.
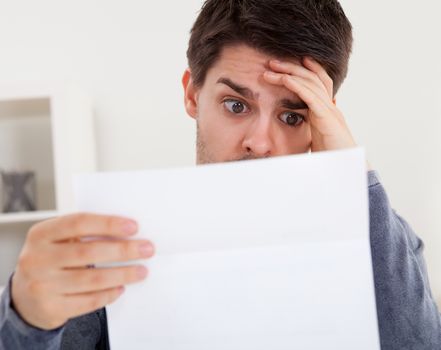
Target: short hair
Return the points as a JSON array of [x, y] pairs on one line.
[[285, 29]]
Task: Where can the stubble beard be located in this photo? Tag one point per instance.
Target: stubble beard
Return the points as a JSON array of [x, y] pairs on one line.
[[203, 155]]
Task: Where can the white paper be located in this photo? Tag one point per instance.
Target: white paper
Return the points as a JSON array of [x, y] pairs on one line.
[[265, 254]]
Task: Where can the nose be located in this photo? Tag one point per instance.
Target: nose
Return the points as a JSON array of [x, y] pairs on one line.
[[258, 141]]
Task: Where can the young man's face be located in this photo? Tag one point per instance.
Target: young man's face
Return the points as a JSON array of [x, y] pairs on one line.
[[241, 116]]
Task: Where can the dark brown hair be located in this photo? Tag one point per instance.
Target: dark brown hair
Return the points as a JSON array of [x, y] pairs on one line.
[[286, 29]]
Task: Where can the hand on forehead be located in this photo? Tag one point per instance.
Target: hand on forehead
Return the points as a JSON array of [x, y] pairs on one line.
[[243, 68]]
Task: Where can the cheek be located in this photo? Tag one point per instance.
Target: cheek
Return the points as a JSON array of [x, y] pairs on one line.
[[302, 143], [222, 136], [289, 142]]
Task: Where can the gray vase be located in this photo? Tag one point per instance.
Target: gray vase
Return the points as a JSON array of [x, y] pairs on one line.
[[18, 191]]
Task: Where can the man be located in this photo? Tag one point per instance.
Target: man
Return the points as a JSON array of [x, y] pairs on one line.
[[262, 80]]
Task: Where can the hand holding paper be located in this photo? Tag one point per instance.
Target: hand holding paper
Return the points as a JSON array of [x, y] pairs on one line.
[[53, 283], [265, 254]]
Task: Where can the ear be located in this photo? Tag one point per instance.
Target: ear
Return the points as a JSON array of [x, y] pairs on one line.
[[190, 94]]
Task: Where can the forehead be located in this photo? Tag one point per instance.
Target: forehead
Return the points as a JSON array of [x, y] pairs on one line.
[[244, 65], [241, 58], [240, 61]]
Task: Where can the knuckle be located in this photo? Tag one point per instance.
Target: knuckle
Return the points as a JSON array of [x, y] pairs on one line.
[[36, 287], [108, 224], [83, 252], [285, 78], [76, 221], [34, 231], [25, 262], [114, 224], [290, 82], [111, 223], [125, 250], [98, 278]]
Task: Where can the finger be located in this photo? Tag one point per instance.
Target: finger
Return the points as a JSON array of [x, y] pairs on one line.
[[323, 75], [299, 71], [94, 252], [282, 79], [97, 279], [316, 105], [81, 304], [82, 225]]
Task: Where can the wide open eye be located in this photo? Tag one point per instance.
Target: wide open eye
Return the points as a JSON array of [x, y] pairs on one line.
[[235, 106], [292, 118]]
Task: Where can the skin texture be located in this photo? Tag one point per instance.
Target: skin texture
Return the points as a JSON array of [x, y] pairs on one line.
[[52, 281]]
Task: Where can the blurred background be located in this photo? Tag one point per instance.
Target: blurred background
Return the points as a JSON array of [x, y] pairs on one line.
[[129, 57]]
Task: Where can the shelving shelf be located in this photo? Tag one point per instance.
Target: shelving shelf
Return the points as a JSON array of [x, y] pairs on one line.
[[27, 217]]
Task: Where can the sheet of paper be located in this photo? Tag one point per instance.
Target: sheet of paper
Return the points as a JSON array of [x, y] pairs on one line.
[[264, 254]]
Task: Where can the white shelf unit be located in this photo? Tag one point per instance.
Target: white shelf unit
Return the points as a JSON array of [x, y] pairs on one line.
[[47, 129]]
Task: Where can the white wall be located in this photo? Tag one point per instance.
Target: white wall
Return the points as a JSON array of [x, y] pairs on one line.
[[392, 99], [130, 55]]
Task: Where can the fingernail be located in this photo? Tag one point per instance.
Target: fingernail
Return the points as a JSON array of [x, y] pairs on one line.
[[276, 62], [146, 250], [130, 227], [141, 271]]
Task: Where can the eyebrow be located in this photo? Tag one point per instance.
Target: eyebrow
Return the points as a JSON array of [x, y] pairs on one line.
[[288, 104], [241, 90], [248, 93]]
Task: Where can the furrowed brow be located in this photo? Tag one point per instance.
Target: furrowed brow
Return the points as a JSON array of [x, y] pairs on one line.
[[241, 90]]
